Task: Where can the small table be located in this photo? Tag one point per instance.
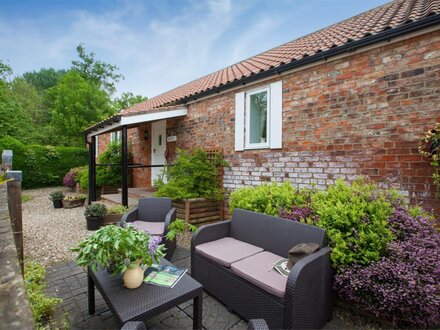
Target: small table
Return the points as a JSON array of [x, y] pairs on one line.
[[146, 301]]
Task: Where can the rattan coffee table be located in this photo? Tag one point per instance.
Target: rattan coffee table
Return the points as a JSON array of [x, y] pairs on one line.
[[146, 301]]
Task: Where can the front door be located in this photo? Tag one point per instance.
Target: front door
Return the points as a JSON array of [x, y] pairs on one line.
[[158, 147]]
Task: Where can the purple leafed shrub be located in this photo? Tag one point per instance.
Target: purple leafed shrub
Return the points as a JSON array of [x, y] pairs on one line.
[[404, 285], [301, 214], [69, 179]]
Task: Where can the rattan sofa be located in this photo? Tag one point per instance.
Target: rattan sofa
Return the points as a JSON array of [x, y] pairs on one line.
[[306, 302]]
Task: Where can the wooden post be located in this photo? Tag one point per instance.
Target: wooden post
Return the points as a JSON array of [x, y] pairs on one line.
[[15, 213]]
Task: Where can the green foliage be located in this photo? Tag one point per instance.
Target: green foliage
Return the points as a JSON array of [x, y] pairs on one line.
[[83, 176], [178, 226], [127, 100], [269, 198], [26, 198], [191, 176], [14, 120], [430, 147], [102, 74], [110, 175], [118, 209], [44, 78], [56, 196], [355, 218], [95, 210], [43, 166], [76, 103], [42, 306], [117, 246]]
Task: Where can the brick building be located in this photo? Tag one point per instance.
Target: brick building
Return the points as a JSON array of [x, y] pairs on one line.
[[351, 99]]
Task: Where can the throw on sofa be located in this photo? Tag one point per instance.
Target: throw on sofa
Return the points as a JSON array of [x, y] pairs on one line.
[[233, 260]]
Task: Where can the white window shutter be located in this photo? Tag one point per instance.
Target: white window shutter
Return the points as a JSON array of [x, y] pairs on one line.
[[276, 115], [239, 121]]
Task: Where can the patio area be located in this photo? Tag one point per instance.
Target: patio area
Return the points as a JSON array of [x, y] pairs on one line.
[[69, 282]]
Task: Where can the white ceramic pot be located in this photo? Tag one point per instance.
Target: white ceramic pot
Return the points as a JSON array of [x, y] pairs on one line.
[[133, 276]]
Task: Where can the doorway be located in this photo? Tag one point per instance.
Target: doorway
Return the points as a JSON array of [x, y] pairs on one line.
[[158, 148]]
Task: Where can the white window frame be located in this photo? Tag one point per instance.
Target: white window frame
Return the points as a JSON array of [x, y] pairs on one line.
[[248, 144], [115, 136]]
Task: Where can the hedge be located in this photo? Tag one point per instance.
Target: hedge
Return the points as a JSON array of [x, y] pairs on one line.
[[43, 166]]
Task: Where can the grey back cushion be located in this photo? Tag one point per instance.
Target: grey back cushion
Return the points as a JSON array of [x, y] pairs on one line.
[[273, 234], [154, 209]]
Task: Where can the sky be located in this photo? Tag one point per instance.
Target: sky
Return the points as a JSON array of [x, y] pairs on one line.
[[159, 44]]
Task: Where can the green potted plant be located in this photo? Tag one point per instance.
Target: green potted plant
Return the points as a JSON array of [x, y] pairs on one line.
[[74, 201], [193, 184], [126, 250], [114, 214], [57, 197], [94, 214]]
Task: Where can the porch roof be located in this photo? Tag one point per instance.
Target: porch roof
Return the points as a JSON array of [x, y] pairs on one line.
[[116, 122]]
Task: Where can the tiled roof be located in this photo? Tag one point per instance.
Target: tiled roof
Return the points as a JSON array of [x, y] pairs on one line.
[[372, 22]]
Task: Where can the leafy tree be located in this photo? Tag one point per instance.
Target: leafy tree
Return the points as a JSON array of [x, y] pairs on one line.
[[5, 71], [127, 100], [103, 74], [14, 121], [76, 103], [44, 78]]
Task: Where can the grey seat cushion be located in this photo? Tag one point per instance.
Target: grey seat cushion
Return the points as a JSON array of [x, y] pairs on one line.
[[153, 228], [258, 269], [227, 250]]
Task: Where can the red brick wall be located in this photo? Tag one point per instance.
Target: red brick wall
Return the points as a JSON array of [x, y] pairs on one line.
[[361, 115]]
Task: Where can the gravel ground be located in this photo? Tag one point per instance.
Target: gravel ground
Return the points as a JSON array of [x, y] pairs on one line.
[[49, 233]]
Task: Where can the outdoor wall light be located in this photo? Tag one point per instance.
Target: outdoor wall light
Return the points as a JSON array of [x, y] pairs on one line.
[[146, 134]]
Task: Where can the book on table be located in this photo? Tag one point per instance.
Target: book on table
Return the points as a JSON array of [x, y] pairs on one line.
[[166, 275]]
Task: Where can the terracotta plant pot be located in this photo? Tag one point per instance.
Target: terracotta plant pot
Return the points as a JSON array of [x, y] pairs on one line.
[[133, 276], [93, 223], [57, 204]]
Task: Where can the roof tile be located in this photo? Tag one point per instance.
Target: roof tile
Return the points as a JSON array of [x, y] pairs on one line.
[[377, 20]]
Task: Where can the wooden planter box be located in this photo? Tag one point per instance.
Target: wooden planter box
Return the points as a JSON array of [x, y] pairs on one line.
[[199, 211], [69, 204], [111, 219]]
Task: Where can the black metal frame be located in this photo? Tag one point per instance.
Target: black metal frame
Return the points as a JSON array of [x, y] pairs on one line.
[[124, 168]]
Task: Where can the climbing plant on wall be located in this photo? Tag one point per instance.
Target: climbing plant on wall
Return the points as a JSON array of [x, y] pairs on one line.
[[430, 147]]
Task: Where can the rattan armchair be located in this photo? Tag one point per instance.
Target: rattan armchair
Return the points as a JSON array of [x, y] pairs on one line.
[[149, 215]]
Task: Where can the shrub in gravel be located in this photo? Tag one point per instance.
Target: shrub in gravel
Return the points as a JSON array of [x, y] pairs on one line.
[[404, 285]]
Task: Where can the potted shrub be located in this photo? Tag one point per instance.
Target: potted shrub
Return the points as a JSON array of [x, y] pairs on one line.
[[74, 201], [57, 198], [125, 250], [114, 214], [94, 214], [193, 184]]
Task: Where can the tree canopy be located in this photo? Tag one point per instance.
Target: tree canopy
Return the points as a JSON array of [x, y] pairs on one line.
[[54, 106]]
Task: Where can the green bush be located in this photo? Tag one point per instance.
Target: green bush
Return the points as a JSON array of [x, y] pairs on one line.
[[42, 306], [43, 166], [269, 198], [83, 177], [191, 176], [110, 175], [355, 218]]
